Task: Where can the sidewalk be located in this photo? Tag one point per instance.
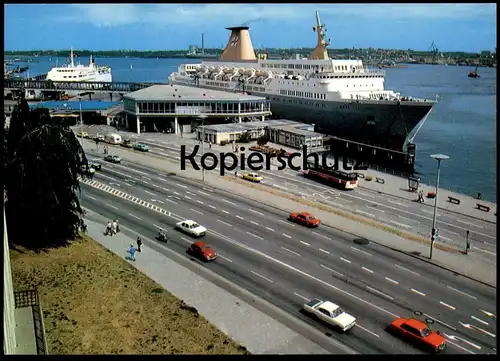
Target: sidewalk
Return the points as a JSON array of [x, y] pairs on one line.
[[469, 265], [241, 321]]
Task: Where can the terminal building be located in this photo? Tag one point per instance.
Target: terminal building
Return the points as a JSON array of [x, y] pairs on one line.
[[181, 108]]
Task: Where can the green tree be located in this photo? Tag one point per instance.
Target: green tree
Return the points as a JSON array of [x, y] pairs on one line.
[[42, 163], [263, 140]]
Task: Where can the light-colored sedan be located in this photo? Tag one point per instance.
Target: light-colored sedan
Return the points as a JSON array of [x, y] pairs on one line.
[[330, 313], [192, 228]]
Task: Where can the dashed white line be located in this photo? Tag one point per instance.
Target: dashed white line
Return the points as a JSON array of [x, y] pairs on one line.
[[478, 329], [359, 250], [439, 321], [470, 224], [171, 201], [462, 292], [254, 223], [366, 194], [331, 270], [305, 243], [224, 211], [379, 292], [324, 251], [162, 179], [488, 313], [375, 208], [289, 250], [345, 260], [299, 295], [239, 217], [186, 240], [109, 205], [447, 305], [430, 212], [367, 330], [90, 197], [286, 235], [261, 276], [365, 213], [205, 194], [321, 235], [408, 219], [200, 202], [157, 226], [254, 235], [182, 186], [177, 193], [194, 210], [485, 251], [391, 280], [187, 197], [188, 192], [226, 201], [417, 292], [227, 224], [148, 192], [290, 224], [479, 320], [270, 229], [146, 178], [227, 259], [165, 189], [400, 224], [212, 206], [367, 269], [408, 270], [132, 215], [397, 203], [254, 211]]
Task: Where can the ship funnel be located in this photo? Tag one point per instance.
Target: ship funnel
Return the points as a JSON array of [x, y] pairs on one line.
[[239, 46]]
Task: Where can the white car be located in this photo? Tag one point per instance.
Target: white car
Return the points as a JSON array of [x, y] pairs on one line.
[[192, 228], [330, 313]]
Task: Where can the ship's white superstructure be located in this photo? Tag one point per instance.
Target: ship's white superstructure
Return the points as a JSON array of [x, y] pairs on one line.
[[80, 73]]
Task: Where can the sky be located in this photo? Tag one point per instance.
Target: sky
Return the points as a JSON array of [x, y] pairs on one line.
[[452, 27]]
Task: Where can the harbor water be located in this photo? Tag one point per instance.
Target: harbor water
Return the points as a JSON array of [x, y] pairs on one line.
[[462, 125]]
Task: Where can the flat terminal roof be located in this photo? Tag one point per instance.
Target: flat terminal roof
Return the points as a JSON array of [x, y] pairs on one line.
[[187, 93], [243, 127], [295, 130]]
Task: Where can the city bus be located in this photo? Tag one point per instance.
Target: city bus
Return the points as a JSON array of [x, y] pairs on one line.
[[336, 178]]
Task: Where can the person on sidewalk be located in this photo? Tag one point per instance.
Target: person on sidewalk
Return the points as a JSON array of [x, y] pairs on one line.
[[108, 229], [116, 226], [139, 244], [210, 145], [132, 252]]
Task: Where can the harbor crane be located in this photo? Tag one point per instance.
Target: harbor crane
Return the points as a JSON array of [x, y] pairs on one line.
[[434, 50]]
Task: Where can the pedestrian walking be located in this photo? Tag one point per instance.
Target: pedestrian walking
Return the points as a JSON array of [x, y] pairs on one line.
[[132, 252], [139, 244], [115, 226], [108, 229], [209, 145]]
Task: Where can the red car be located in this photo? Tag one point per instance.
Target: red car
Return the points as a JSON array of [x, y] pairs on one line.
[[418, 332], [202, 250], [304, 218]]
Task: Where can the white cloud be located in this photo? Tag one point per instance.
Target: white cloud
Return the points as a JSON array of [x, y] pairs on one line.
[[110, 15]]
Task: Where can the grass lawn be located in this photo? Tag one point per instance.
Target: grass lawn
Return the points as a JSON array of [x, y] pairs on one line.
[[94, 302]]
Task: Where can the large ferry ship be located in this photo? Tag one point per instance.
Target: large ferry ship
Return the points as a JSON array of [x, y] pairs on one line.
[[80, 73], [340, 97]]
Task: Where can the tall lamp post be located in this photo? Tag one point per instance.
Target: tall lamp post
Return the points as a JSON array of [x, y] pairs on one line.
[[202, 117], [439, 158], [81, 124]]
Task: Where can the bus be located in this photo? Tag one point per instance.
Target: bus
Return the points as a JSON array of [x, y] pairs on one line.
[[336, 178]]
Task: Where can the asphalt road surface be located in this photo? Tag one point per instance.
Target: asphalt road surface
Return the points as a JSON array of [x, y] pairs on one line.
[[287, 264]]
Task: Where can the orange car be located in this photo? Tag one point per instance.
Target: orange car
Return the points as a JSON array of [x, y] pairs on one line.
[[304, 218], [418, 332], [202, 250]]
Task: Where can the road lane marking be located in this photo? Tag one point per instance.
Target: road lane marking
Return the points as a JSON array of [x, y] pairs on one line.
[[289, 250], [181, 185], [187, 197], [367, 269], [239, 217], [205, 194], [400, 224], [299, 295], [406, 269], [380, 293], [171, 201], [224, 211], [226, 201], [485, 251], [212, 206], [408, 219], [150, 193], [391, 280], [194, 210], [324, 251], [466, 325], [261, 276], [345, 260], [149, 179], [397, 203], [470, 224], [165, 189], [365, 213], [479, 320], [488, 313], [254, 211], [447, 305], [186, 240], [286, 235], [188, 192], [321, 235], [162, 179], [109, 205], [286, 222], [270, 229], [305, 243], [439, 321], [452, 337], [365, 194], [177, 193], [462, 292], [332, 270], [227, 259], [227, 224], [157, 226], [132, 215], [200, 202], [90, 197], [367, 330], [254, 223], [359, 250], [430, 212], [254, 235], [417, 292], [375, 208]]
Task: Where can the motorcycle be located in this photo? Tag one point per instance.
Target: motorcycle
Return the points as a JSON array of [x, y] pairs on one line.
[[162, 237]]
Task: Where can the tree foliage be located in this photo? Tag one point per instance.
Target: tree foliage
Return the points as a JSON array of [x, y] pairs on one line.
[[263, 140], [42, 162]]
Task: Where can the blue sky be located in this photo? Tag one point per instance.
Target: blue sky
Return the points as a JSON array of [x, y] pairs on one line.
[[460, 27]]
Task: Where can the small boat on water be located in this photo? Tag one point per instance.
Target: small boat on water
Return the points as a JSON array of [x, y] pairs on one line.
[[474, 74]]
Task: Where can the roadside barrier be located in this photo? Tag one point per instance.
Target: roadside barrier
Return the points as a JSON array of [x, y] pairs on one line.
[[380, 180]]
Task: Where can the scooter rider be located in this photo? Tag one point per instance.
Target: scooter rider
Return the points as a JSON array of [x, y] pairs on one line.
[[162, 235]]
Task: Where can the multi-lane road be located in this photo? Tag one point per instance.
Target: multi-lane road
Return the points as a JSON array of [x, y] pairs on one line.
[[287, 264]]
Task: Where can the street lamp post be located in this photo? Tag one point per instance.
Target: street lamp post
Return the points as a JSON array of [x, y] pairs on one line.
[[202, 117], [439, 158], [81, 124]]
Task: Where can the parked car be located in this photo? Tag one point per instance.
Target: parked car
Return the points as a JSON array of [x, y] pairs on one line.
[[192, 228], [127, 144], [141, 147], [330, 313], [93, 164], [113, 138], [112, 159], [202, 250], [99, 137], [253, 177], [88, 170], [418, 332], [305, 219], [82, 134]]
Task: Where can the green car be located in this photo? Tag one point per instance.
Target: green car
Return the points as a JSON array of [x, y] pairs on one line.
[[141, 147]]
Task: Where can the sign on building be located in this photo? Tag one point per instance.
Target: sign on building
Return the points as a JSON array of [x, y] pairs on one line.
[[191, 110]]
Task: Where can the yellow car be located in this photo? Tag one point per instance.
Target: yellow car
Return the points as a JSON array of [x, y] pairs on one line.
[[82, 134], [252, 177]]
